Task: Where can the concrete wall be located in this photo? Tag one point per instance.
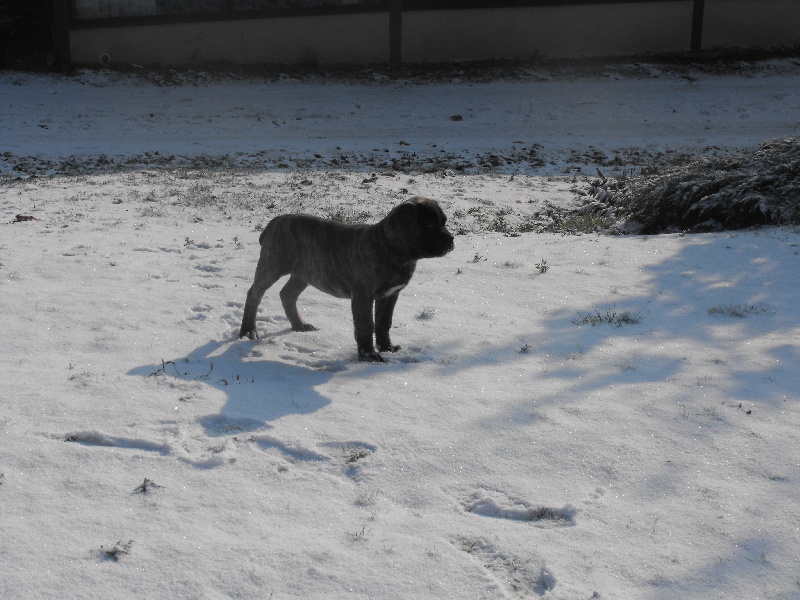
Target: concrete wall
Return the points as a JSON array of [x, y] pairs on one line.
[[623, 28], [764, 23], [360, 38], [600, 29]]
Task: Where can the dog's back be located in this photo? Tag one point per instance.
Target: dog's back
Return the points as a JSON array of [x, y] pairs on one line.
[[324, 253], [285, 224]]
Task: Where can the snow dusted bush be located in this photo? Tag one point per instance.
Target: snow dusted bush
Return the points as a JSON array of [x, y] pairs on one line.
[[730, 192]]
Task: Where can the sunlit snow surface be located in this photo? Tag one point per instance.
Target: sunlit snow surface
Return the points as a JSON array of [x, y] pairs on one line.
[[525, 442]]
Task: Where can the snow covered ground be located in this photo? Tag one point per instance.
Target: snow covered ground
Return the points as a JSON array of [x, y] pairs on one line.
[[540, 122], [570, 416]]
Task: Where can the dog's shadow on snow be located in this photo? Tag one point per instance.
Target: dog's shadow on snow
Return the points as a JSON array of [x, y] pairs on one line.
[[258, 392]]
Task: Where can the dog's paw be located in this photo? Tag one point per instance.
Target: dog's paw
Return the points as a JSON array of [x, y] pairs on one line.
[[304, 327], [251, 334], [369, 356], [388, 348]]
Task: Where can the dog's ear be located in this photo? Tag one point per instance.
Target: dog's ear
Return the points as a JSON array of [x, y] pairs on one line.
[[401, 224]]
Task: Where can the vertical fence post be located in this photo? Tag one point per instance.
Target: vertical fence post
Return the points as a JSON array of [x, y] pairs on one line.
[[395, 32], [60, 27], [697, 24]]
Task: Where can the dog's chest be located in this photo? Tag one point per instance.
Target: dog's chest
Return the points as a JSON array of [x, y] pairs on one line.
[[398, 282], [392, 290]]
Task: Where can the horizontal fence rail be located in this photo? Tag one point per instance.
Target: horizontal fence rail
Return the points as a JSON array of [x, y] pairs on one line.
[[121, 13]]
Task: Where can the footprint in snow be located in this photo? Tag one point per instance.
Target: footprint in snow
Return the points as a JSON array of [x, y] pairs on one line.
[[352, 455], [519, 575], [209, 268], [497, 504], [199, 312], [207, 458]]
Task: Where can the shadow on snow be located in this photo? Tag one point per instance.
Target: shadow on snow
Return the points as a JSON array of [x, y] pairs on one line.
[[724, 305], [720, 312], [258, 392]]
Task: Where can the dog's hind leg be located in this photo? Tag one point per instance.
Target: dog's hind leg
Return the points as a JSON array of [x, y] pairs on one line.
[[289, 294], [265, 277]]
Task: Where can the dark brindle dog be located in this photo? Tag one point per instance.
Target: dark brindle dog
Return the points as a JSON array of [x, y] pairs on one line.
[[368, 263]]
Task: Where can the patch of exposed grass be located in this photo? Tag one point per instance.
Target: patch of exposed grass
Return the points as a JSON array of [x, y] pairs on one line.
[[740, 310], [427, 313], [348, 215], [577, 224], [611, 317]]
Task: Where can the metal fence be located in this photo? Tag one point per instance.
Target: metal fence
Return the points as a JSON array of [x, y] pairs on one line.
[[76, 15]]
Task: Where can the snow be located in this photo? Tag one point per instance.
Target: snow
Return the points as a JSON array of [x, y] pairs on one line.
[[554, 122], [525, 442]]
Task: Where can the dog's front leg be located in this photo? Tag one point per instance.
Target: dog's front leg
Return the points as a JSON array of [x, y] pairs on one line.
[[384, 309], [364, 326]]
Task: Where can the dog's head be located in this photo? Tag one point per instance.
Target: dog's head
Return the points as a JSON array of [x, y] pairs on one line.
[[419, 226]]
